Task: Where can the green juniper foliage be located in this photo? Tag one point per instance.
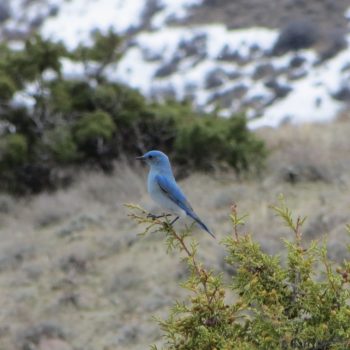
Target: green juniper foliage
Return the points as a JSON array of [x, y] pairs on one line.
[[301, 303], [91, 121]]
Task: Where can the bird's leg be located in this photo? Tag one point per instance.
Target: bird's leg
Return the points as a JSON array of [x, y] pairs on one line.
[[173, 222]]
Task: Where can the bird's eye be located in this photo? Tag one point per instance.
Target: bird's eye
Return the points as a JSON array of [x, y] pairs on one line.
[[150, 157]]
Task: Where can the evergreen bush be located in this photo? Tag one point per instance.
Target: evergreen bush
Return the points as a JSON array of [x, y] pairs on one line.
[[89, 120], [302, 302], [13, 150], [206, 142], [61, 143], [94, 127], [7, 87]]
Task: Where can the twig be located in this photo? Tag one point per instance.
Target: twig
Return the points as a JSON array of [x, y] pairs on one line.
[[200, 272], [236, 220]]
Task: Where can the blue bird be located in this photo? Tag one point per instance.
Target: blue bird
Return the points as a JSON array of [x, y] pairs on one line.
[[164, 190]]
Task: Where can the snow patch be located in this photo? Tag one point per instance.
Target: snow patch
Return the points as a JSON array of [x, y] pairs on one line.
[[310, 98], [347, 14], [134, 71], [306, 104], [241, 40], [77, 19], [25, 98], [24, 14], [166, 44], [163, 43], [71, 69], [201, 62]]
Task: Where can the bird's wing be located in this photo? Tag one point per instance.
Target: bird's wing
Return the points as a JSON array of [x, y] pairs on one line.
[[173, 192]]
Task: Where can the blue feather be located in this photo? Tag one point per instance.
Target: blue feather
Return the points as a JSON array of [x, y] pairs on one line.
[[173, 192]]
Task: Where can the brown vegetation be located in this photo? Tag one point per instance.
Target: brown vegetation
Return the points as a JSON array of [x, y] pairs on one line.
[[73, 271]]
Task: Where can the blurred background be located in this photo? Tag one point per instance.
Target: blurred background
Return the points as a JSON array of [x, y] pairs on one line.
[[250, 98]]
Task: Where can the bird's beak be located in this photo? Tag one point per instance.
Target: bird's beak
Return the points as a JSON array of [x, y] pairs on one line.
[[140, 158]]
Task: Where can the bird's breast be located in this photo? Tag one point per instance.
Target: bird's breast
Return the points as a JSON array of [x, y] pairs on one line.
[[161, 198]]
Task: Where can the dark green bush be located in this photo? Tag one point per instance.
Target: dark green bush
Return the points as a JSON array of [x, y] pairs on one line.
[[61, 143], [27, 65], [71, 96], [93, 126], [7, 87], [301, 303], [206, 142], [41, 54], [90, 121], [105, 50], [13, 150], [201, 143], [93, 130]]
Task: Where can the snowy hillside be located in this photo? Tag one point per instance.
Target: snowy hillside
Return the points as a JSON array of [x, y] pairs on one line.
[[217, 68]]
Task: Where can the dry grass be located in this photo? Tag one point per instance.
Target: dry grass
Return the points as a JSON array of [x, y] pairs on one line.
[[312, 152], [74, 272]]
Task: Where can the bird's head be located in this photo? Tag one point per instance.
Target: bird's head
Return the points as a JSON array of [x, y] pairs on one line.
[[155, 159]]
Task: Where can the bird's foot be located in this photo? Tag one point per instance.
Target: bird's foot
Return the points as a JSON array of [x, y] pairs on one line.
[[151, 216], [154, 217]]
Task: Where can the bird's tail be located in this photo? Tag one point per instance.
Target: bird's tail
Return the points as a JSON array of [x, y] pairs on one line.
[[194, 216]]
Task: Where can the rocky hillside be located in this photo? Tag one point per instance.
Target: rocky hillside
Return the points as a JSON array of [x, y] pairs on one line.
[[328, 14], [283, 61]]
